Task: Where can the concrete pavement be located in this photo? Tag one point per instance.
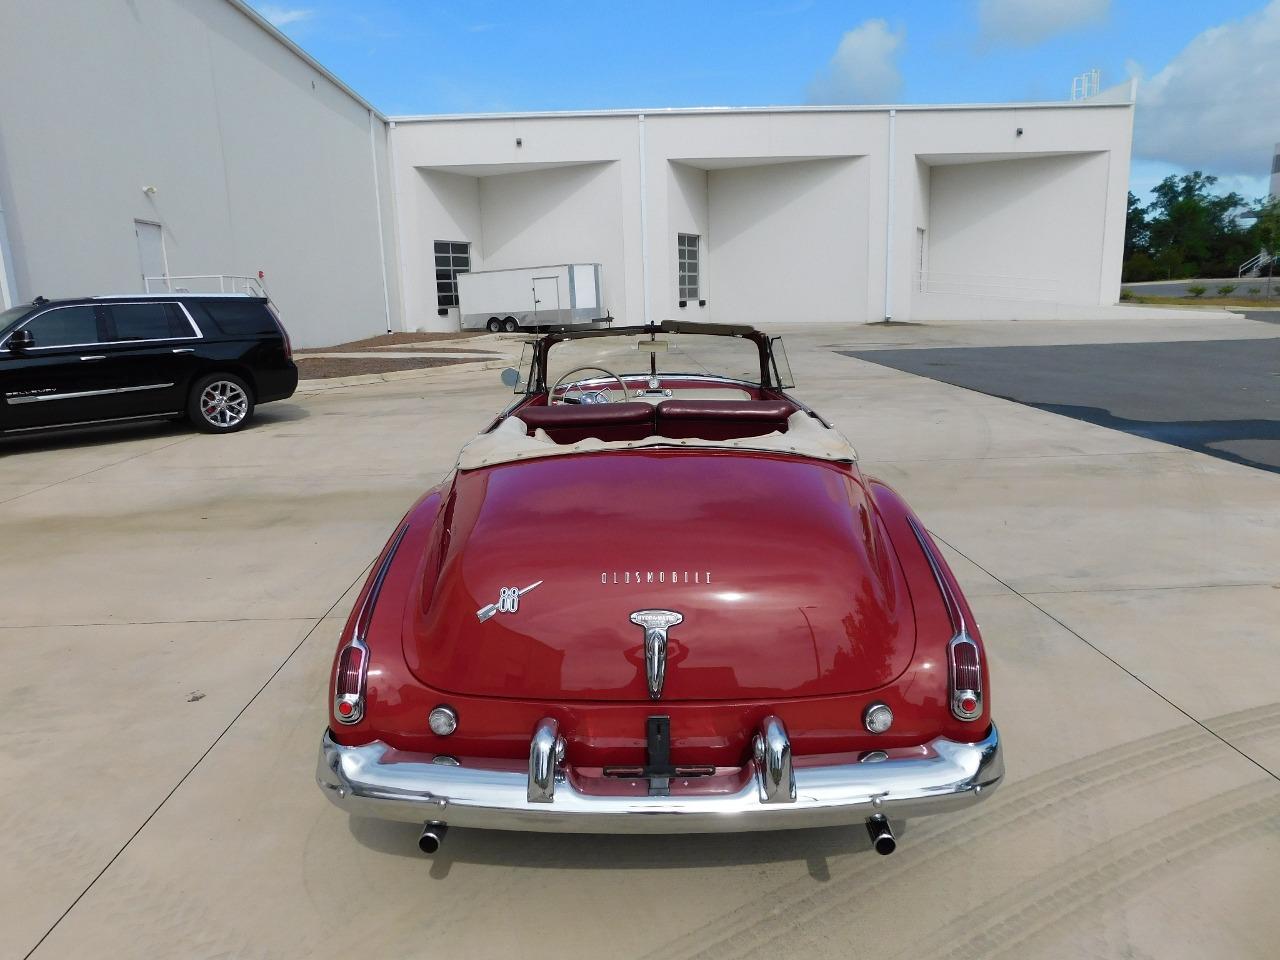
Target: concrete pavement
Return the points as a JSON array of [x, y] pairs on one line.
[[1128, 592]]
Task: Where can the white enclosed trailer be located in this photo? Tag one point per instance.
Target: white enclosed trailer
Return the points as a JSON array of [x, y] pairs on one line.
[[563, 295]]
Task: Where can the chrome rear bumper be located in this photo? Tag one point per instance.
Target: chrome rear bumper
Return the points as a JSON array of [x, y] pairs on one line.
[[769, 794]]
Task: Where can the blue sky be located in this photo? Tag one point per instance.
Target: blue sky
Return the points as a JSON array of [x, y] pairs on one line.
[[1209, 89]]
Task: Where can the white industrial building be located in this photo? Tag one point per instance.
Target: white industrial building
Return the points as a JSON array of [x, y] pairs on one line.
[[250, 156]]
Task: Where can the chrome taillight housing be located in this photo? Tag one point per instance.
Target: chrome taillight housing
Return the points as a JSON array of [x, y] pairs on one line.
[[966, 678], [351, 679], [348, 687], [964, 660]]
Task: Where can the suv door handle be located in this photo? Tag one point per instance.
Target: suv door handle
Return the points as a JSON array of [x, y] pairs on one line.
[[101, 356], [184, 349]]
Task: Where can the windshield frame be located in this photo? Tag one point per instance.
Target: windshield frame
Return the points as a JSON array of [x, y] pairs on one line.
[[537, 378]]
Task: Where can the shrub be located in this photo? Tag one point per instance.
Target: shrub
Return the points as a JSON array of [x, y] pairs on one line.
[[1126, 295], [1254, 291], [1197, 290], [1226, 289]]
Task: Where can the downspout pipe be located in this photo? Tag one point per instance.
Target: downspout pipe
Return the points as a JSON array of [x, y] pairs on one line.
[[377, 201], [644, 220], [8, 282], [888, 218]]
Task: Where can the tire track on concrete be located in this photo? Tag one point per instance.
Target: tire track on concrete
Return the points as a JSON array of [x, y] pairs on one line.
[[1115, 662], [1008, 922], [755, 927]]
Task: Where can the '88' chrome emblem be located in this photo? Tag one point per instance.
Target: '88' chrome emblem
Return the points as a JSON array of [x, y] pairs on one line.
[[508, 601]]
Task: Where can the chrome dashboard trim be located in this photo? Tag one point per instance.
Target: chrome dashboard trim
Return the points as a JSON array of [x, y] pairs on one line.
[[943, 775]]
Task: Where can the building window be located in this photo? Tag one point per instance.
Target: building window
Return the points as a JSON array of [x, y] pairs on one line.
[[452, 258], [687, 252]]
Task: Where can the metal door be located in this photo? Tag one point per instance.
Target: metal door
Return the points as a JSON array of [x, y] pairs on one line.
[[151, 256], [546, 300], [153, 350]]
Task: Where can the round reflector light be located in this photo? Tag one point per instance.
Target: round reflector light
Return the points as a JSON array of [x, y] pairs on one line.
[[345, 708], [969, 705], [878, 718], [443, 721]]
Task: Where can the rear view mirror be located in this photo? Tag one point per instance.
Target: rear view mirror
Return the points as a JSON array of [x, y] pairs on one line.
[[22, 340], [652, 346], [510, 377]]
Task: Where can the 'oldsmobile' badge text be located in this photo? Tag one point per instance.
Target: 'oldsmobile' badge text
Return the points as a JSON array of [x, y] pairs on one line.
[[655, 576]]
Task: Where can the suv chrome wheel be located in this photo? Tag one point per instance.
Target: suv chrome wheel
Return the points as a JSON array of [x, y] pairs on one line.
[[224, 404]]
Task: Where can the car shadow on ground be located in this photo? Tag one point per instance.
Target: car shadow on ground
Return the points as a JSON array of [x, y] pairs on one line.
[[86, 437], [574, 851], [278, 413], [109, 433]]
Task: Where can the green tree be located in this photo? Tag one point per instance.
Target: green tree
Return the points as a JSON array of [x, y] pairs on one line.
[[1195, 229], [1267, 234], [1137, 232]]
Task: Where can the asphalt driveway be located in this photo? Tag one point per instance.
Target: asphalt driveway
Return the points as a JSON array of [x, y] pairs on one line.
[[1220, 397], [172, 602]]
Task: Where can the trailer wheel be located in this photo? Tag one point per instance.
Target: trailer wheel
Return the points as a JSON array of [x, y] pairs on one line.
[[510, 325], [494, 324]]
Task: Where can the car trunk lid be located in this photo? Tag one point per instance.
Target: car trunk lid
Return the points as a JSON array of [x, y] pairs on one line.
[[783, 580]]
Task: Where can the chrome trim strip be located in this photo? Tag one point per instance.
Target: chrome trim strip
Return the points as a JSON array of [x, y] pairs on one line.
[[947, 775], [960, 629], [198, 334], [94, 423], [41, 397], [360, 632], [954, 612]]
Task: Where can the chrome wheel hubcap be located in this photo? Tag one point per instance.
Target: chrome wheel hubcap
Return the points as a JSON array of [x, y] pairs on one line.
[[223, 403]]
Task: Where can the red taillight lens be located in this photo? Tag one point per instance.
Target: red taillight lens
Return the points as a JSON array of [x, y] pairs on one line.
[[350, 670], [966, 679], [348, 690]]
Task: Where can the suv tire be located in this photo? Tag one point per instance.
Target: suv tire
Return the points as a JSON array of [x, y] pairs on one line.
[[220, 403]]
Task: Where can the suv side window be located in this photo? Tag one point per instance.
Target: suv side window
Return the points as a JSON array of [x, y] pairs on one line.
[[149, 321], [66, 326], [233, 318]]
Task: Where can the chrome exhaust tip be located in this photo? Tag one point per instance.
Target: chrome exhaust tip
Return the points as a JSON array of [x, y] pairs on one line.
[[881, 834], [432, 837]]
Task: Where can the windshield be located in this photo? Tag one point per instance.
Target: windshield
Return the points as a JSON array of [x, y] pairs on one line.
[[667, 354]]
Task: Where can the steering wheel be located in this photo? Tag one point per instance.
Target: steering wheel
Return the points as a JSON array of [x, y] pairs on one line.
[[565, 399]]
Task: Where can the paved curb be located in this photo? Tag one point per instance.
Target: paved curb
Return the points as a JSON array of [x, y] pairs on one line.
[[334, 383]]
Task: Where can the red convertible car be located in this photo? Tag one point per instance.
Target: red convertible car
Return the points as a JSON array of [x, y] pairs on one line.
[[657, 595]]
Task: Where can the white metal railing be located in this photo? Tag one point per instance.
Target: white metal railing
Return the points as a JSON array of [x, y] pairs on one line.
[[1253, 266], [990, 287], [207, 283]]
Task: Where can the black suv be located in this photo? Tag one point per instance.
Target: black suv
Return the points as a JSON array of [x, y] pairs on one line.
[[210, 359]]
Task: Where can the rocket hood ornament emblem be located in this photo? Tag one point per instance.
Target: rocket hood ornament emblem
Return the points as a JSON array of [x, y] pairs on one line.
[[656, 623]]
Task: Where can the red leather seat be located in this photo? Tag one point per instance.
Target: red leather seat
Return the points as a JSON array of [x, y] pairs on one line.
[[569, 423], [722, 419]]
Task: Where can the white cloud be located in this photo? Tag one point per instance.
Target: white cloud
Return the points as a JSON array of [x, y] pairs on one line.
[[863, 68], [283, 16], [1027, 22], [1216, 105]]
